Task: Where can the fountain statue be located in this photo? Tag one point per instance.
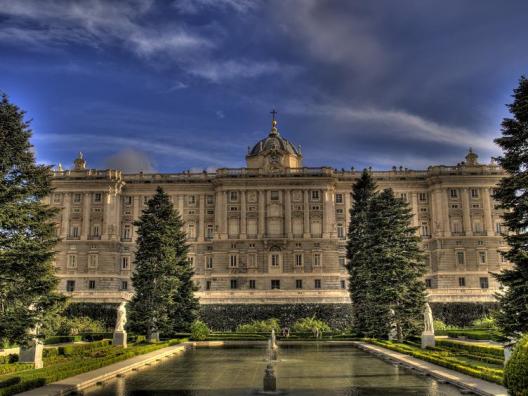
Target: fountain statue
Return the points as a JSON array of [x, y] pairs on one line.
[[120, 335], [273, 347], [428, 338]]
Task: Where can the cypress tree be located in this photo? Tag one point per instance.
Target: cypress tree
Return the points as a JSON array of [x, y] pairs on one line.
[[394, 269], [512, 195], [27, 231], [357, 248], [162, 270]]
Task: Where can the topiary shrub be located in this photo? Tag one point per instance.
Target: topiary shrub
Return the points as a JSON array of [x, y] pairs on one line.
[[199, 330], [260, 326], [312, 324], [516, 371]]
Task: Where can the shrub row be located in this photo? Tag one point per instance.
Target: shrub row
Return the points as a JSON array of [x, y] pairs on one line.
[[488, 374], [9, 382], [516, 371], [476, 334], [490, 350], [14, 367], [462, 314], [104, 312], [76, 350], [62, 339]]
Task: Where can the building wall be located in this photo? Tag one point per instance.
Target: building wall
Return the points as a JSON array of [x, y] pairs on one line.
[[239, 218]]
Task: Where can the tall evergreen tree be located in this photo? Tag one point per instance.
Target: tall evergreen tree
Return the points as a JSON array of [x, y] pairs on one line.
[[162, 273], [512, 195], [357, 247], [27, 231], [395, 268]]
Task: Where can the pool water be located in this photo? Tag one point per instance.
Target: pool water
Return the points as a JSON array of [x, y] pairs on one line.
[[307, 370]]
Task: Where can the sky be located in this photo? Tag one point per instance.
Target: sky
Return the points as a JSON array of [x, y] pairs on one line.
[[169, 86]]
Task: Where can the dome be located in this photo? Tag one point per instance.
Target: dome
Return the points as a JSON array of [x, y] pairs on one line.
[[274, 141]]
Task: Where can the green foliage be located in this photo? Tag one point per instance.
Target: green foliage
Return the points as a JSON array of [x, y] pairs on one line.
[[385, 264], [477, 334], [9, 382], [485, 323], [462, 314], [310, 324], [199, 330], [512, 195], [260, 326], [101, 312], [27, 277], [438, 325], [61, 339], [163, 301], [64, 326], [490, 350], [227, 317], [516, 371]]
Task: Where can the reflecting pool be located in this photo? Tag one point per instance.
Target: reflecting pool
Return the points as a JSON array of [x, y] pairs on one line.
[[307, 370]]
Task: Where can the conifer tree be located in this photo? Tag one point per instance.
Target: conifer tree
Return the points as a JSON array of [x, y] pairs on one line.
[[394, 269], [357, 248], [27, 231], [512, 195], [162, 270]]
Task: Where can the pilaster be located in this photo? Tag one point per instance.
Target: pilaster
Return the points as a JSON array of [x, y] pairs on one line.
[[243, 215]]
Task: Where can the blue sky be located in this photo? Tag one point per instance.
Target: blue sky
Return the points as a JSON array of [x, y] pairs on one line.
[[174, 85]]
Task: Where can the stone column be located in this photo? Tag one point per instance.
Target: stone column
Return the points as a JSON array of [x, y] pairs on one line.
[[85, 232], [225, 204], [262, 214], [109, 216], [415, 211], [181, 199], [348, 205], [445, 213], [307, 232], [287, 214], [243, 215], [466, 212], [104, 230], [488, 221], [201, 219], [65, 223], [136, 211]]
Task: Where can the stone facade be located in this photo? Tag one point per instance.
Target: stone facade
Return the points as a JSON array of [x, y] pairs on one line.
[[275, 231]]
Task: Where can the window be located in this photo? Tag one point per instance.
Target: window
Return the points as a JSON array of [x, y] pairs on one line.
[[97, 197], [191, 199], [453, 193], [317, 259], [298, 283], [209, 200], [461, 282], [457, 227], [454, 206], [298, 260], [275, 260], [423, 209], [274, 195], [252, 260], [124, 285], [474, 193], [191, 230], [209, 232], [233, 284], [127, 200], [482, 257], [93, 260], [275, 284], [424, 229], [339, 211], [484, 284], [339, 198], [76, 210], [210, 211], [124, 262], [460, 258], [317, 283], [422, 197], [315, 195], [127, 231], [403, 196], [96, 231], [209, 262], [207, 285], [343, 284], [191, 261], [475, 206], [233, 196], [252, 284], [502, 258], [498, 228], [342, 261], [72, 261], [477, 226], [233, 260], [70, 285], [145, 200], [91, 284], [340, 231], [74, 231], [428, 283], [56, 198], [76, 198]]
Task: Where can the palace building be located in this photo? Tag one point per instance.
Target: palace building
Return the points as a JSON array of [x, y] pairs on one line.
[[275, 231]]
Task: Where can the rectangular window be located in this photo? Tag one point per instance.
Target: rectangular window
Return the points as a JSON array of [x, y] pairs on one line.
[[274, 195], [424, 229], [96, 231], [315, 195], [317, 283], [145, 200], [127, 231], [403, 196], [422, 197], [317, 259], [210, 200], [124, 285], [75, 231], [343, 284], [93, 260], [474, 193], [209, 232], [461, 282], [275, 261], [209, 262], [127, 200], [70, 285], [207, 285], [339, 211], [482, 257], [342, 261], [191, 230], [56, 198], [252, 260], [233, 196], [484, 283], [252, 284], [460, 258], [233, 284], [298, 284], [191, 199], [76, 198], [298, 260], [124, 262], [97, 197], [233, 260], [340, 231], [91, 284], [275, 284], [475, 206], [477, 226], [453, 193], [339, 198], [72, 261], [498, 228], [428, 283]]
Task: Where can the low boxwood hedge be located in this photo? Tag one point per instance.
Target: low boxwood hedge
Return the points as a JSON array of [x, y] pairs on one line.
[[516, 370], [476, 334], [490, 350], [62, 339]]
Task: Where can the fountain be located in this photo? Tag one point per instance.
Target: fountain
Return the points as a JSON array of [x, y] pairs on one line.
[[273, 347]]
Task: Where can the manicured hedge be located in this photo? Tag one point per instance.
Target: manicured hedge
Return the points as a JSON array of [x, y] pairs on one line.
[[516, 371], [462, 314], [89, 337], [104, 312], [226, 317], [476, 334], [61, 339]]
